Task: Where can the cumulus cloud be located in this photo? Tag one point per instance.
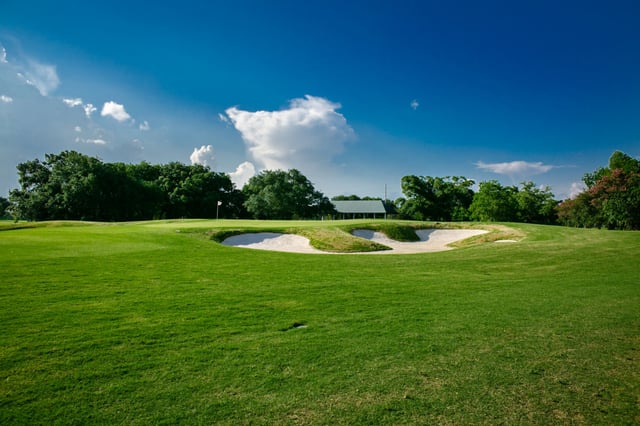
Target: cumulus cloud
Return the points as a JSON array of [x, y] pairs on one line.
[[115, 110], [78, 129], [576, 189], [306, 135], [89, 109], [72, 102], [3, 55], [414, 104], [41, 76], [202, 155], [243, 173], [144, 126], [515, 167], [77, 102], [6, 99]]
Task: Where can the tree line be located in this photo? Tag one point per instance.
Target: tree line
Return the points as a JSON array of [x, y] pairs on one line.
[[74, 186], [452, 198]]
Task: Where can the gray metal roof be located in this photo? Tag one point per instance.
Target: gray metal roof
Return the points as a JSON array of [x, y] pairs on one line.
[[359, 206]]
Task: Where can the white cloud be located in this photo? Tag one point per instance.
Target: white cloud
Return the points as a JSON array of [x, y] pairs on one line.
[[306, 136], [3, 55], [115, 111], [144, 126], [72, 102], [576, 189], [6, 99], [96, 141], [89, 109], [78, 129], [43, 77], [77, 102], [202, 155], [515, 167], [243, 173], [414, 104]]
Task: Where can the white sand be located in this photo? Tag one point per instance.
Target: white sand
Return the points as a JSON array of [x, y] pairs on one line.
[[272, 241], [431, 240]]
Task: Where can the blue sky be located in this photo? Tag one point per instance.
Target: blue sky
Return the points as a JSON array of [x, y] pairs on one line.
[[355, 94]]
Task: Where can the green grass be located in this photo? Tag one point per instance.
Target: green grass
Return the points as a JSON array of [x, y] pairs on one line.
[[156, 323]]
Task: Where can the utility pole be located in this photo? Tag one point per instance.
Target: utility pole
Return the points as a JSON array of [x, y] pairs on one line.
[[384, 202]]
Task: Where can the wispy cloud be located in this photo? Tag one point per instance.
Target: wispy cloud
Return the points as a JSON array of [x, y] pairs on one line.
[[515, 167], [202, 155], [144, 126], [414, 104], [115, 111], [307, 135], [224, 118], [90, 141], [41, 76], [6, 99]]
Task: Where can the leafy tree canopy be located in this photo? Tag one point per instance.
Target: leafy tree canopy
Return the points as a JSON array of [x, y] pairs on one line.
[[277, 194], [494, 202], [612, 198], [436, 198], [71, 185]]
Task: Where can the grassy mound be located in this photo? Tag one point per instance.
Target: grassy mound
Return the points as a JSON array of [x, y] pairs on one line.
[[337, 237]]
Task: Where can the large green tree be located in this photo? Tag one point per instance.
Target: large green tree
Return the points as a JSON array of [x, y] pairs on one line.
[[436, 198], [60, 187], [494, 202], [278, 194], [536, 204], [194, 191]]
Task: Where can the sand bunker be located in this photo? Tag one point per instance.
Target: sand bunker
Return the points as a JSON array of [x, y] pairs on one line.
[[431, 240], [272, 241]]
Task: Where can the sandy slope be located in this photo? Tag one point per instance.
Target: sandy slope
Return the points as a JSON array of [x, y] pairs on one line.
[[272, 241], [430, 240]]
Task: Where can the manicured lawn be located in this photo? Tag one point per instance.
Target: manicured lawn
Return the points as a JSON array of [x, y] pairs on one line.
[[141, 324]]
